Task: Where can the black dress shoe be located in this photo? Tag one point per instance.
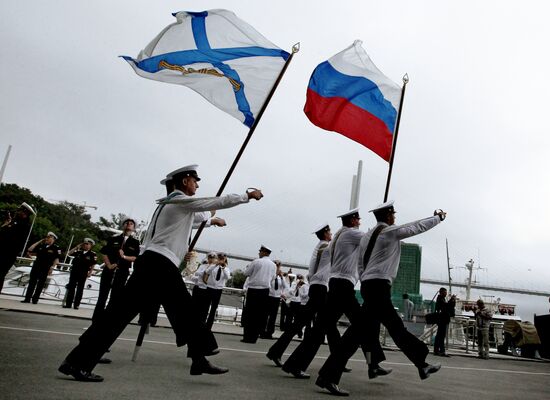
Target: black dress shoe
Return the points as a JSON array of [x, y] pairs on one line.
[[78, 374], [378, 371], [248, 341], [105, 360], [296, 373], [429, 369], [205, 367], [25, 301], [331, 387], [276, 360], [66, 306], [347, 370]]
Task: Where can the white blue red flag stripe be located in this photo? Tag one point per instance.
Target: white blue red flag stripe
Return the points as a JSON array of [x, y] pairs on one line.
[[219, 56], [348, 94]]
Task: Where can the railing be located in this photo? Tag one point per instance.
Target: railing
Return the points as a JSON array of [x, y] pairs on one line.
[[229, 309]]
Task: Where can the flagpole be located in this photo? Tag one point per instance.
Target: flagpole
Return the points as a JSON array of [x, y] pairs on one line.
[[394, 144], [295, 49]]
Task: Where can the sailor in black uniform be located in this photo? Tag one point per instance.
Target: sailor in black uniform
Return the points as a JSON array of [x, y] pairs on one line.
[[47, 257], [82, 266]]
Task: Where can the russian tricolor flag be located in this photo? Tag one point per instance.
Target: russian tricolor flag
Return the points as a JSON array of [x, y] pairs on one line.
[[348, 94]]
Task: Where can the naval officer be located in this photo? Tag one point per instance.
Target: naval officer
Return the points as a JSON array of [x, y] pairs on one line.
[[156, 277], [47, 257], [377, 262], [13, 235], [82, 266], [119, 253]]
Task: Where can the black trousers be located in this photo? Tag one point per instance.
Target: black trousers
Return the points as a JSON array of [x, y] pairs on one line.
[[111, 281], [285, 316], [256, 313], [75, 287], [200, 302], [304, 316], [439, 342], [38, 276], [341, 300], [155, 280], [213, 297], [6, 262], [272, 310], [377, 308], [303, 355]]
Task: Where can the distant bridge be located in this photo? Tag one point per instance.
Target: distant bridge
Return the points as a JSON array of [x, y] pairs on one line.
[[487, 287], [302, 267]]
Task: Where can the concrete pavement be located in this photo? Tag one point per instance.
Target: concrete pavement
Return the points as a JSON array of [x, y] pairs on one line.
[[34, 339]]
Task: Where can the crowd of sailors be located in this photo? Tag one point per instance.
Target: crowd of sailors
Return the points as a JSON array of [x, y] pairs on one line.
[[316, 301]]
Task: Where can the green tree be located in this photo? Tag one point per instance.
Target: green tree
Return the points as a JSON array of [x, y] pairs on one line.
[[68, 221], [237, 279]]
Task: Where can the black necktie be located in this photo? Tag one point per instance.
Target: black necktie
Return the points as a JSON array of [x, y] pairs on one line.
[[297, 290], [219, 274], [276, 283]]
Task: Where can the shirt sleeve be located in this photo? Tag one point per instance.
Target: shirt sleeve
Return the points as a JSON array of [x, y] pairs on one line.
[[208, 203], [412, 228]]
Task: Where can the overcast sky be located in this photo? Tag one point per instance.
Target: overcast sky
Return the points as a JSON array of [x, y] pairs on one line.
[[473, 138]]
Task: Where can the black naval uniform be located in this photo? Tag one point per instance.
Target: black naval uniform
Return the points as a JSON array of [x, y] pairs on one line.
[[83, 263], [113, 280], [12, 240], [45, 257]]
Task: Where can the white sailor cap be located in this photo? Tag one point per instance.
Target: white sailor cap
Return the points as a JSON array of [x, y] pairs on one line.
[[350, 213], [27, 207], [89, 240], [212, 254], [188, 170], [322, 228], [126, 218], [262, 247], [52, 235], [387, 205]]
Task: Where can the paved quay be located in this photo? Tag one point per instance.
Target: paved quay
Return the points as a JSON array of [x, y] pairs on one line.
[[34, 339]]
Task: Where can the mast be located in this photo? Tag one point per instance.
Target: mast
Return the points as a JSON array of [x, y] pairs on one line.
[[449, 266], [470, 267], [5, 163], [356, 187]]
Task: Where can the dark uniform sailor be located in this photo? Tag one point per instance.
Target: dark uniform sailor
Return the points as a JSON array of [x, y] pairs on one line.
[[157, 278], [377, 263], [118, 254], [13, 235], [47, 257], [82, 267]]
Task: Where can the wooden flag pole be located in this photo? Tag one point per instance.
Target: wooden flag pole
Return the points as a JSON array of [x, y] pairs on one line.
[[394, 144], [295, 49]]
